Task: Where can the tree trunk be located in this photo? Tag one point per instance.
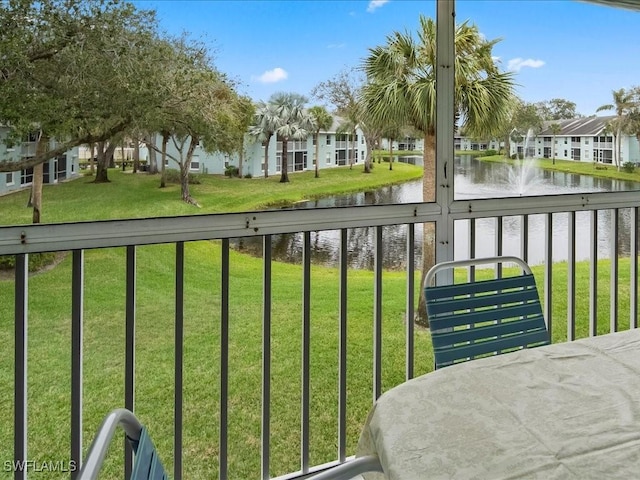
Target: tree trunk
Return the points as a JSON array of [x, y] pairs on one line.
[[122, 158], [240, 162], [150, 142], [619, 148], [428, 239], [163, 175], [367, 161], [317, 135], [284, 161], [136, 156], [38, 178], [391, 155], [349, 152], [36, 192], [185, 166], [92, 163], [105, 157], [266, 157]]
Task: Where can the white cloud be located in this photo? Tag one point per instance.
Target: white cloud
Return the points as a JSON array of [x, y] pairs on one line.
[[375, 4], [272, 76], [516, 64], [336, 45]]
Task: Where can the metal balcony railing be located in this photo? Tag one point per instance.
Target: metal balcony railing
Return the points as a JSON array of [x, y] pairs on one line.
[[389, 336]]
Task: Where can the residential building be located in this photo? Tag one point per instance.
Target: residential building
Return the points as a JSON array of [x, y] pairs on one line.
[[586, 139], [333, 151], [55, 170]]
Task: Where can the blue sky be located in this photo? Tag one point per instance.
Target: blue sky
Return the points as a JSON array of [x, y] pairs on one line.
[[565, 48]]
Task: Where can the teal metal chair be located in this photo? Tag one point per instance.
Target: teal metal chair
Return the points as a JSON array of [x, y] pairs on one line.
[[482, 318], [147, 464]]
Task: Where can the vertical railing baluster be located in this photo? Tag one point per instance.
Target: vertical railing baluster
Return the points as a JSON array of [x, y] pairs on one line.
[[571, 277], [633, 269], [342, 351], [224, 363], [306, 352], [266, 355], [178, 363], [377, 315], [593, 275], [20, 366], [613, 281], [524, 238], [548, 272], [130, 349], [472, 248], [411, 276], [499, 244], [77, 298]]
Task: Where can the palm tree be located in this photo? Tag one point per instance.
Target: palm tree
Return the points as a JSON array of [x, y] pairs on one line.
[[292, 122], [264, 127], [321, 121], [623, 103], [401, 89], [555, 130]]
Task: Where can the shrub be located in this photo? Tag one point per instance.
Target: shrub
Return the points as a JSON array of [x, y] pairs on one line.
[[173, 176], [37, 261], [248, 175], [232, 171], [629, 167], [514, 156], [489, 153]]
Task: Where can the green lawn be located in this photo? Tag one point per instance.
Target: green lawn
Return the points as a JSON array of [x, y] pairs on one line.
[[138, 196], [104, 313], [571, 166]]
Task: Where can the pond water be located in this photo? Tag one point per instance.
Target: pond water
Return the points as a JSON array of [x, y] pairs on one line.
[[473, 179]]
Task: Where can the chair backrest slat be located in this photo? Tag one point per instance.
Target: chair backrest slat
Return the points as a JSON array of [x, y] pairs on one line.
[[457, 319], [486, 317]]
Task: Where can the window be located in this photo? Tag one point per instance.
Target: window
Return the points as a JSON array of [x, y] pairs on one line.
[[362, 154], [575, 154], [26, 176], [575, 139], [328, 139], [328, 159], [314, 139], [565, 153], [278, 161], [262, 166], [565, 141], [586, 141], [362, 140], [195, 164], [10, 179]]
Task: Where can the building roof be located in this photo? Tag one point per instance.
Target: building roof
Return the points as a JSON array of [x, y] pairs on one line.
[[577, 127], [630, 4]]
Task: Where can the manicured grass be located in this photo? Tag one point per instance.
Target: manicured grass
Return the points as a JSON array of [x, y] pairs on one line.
[[569, 166], [104, 346], [49, 353], [138, 196], [49, 357]]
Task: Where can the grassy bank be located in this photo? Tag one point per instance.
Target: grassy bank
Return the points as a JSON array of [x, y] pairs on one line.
[[137, 196], [49, 353], [568, 166]]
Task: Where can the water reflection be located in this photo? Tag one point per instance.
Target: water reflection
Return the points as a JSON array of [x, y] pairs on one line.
[[474, 179]]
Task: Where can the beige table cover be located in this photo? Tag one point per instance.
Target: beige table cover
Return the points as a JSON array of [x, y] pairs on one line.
[[564, 411]]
